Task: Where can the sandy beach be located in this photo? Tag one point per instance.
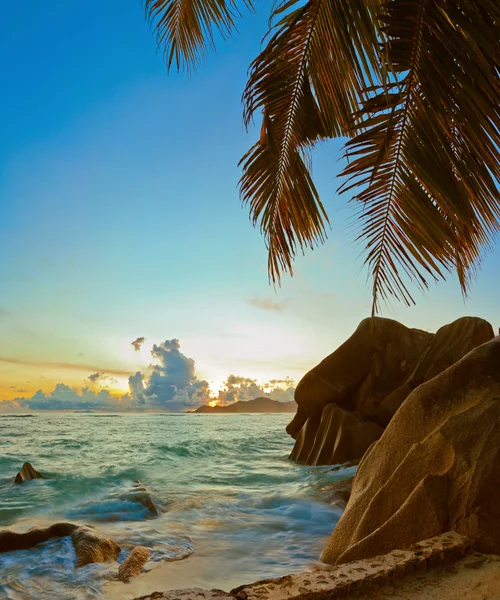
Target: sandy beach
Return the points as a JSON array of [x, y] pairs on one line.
[[476, 577]]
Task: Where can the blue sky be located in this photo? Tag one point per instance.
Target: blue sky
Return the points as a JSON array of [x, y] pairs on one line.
[[120, 214]]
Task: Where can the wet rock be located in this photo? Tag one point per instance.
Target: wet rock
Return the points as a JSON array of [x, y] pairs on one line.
[[435, 468], [132, 565], [339, 492], [92, 546], [27, 473], [139, 493], [11, 540]]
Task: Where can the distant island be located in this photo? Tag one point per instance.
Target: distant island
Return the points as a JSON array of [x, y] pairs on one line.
[[257, 405]]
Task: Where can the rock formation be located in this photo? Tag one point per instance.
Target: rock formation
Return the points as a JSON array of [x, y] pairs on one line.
[[139, 493], [346, 401], [91, 546], [132, 565], [437, 465], [27, 473], [11, 540], [338, 493]]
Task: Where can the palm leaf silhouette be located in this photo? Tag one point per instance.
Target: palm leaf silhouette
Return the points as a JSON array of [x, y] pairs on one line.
[[415, 87]]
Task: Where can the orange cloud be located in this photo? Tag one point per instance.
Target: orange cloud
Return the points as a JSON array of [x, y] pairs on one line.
[[63, 366]]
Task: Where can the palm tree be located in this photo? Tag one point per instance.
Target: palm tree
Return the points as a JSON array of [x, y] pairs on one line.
[[414, 87]]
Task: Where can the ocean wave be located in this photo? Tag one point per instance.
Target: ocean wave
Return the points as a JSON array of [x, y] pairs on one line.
[[194, 449], [227, 485], [17, 416], [48, 571]]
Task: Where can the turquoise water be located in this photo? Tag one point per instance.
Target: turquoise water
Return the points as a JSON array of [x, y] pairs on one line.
[[225, 481]]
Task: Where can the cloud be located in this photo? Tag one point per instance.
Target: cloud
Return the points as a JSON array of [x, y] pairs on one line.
[[238, 388], [170, 384], [9, 406], [138, 343], [4, 314], [267, 304], [61, 365], [173, 383], [64, 397], [136, 389]]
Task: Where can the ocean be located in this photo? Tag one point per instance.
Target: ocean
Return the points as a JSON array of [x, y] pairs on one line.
[[236, 509]]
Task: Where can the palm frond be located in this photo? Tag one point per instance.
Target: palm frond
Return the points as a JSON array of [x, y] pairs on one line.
[[426, 151], [186, 28], [307, 82]]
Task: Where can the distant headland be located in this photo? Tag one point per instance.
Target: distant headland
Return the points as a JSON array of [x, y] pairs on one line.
[[257, 405]]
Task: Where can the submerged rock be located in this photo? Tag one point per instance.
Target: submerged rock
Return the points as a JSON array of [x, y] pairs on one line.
[[436, 467], [11, 540], [132, 565], [139, 493], [27, 473], [92, 546], [346, 401], [130, 504], [338, 493]]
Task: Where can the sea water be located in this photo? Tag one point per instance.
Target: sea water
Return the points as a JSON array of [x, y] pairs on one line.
[[227, 485]]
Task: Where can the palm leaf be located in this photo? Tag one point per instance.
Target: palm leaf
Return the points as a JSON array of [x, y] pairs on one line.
[[426, 151], [307, 83], [185, 28]]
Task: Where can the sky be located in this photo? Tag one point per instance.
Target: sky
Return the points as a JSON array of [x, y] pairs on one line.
[[120, 218]]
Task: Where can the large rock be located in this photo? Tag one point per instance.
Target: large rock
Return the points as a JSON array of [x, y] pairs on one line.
[[451, 343], [339, 437], [92, 546], [367, 379], [27, 473], [436, 467], [379, 356], [11, 540]]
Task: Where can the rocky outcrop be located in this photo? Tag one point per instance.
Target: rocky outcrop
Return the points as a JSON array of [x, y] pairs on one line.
[[359, 577], [188, 594], [139, 493], [435, 468], [132, 565], [338, 493], [92, 546], [346, 401], [336, 438], [11, 540], [27, 473]]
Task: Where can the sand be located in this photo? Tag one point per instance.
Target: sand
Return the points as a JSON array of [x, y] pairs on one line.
[[200, 570], [476, 577]]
